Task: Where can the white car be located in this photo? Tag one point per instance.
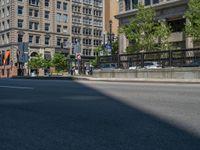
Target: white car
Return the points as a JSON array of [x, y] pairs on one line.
[[134, 67], [151, 65]]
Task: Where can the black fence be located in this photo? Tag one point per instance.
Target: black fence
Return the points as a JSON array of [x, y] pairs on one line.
[[170, 58]]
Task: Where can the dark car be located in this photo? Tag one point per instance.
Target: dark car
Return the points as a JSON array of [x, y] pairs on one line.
[[195, 63]]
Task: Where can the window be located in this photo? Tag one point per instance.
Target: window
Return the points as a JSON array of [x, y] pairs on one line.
[[36, 25], [87, 52], [76, 19], [58, 5], [36, 12], [33, 25], [46, 3], [30, 12], [30, 39], [155, 1], [37, 39], [58, 17], [76, 30], [134, 4], [47, 39], [34, 2], [46, 15], [65, 6], [127, 4], [64, 29], [20, 38], [87, 31], [20, 10], [58, 41], [147, 2], [59, 28], [20, 23], [87, 11], [47, 26], [65, 18]]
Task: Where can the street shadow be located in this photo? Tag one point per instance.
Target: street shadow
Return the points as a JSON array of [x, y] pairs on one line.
[[67, 115]]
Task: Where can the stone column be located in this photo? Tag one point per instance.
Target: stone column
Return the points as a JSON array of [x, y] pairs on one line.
[[189, 44], [123, 43]]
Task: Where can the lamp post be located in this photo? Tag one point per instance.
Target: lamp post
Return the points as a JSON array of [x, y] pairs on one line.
[[110, 37]]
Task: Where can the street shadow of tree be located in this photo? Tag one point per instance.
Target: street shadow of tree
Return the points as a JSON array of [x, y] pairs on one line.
[[67, 115]]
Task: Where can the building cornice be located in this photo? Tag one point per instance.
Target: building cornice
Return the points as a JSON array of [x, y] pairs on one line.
[[156, 6]]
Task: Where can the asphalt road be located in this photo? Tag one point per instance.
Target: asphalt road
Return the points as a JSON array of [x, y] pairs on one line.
[[84, 115]]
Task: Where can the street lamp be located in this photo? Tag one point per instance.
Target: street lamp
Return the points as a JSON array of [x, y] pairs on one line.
[[110, 37]]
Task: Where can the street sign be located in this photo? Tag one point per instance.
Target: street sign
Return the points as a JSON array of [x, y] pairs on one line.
[[78, 56], [77, 47], [108, 47]]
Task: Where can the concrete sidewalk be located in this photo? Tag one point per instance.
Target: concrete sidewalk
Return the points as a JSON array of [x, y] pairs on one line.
[[90, 78]]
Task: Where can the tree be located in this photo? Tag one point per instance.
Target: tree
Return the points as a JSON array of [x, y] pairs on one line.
[[59, 61], [115, 47], [192, 27], [97, 50], [143, 31], [36, 63], [162, 32]]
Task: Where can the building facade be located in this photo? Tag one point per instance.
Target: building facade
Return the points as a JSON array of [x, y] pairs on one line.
[[49, 26], [171, 11]]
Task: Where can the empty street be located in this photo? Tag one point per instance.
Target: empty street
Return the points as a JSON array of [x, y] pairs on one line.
[[89, 115]]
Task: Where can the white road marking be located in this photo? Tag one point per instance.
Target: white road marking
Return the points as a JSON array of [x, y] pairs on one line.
[[17, 87]]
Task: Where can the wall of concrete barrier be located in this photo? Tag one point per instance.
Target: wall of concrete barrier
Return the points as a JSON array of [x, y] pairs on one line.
[[164, 73]]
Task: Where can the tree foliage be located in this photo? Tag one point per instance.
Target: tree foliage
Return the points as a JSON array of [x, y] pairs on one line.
[[115, 47], [192, 27], [36, 62], [162, 33], [143, 31], [59, 61]]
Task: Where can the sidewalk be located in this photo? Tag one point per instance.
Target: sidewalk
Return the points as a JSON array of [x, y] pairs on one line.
[[90, 78]]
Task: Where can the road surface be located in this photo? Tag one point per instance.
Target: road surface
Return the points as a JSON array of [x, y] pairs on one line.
[[88, 115]]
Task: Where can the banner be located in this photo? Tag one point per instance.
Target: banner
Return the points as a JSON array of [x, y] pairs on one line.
[[22, 53]]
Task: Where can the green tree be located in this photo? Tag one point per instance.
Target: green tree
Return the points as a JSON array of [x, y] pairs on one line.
[[94, 62], [162, 33], [115, 47], [143, 31], [36, 63], [59, 61], [192, 27]]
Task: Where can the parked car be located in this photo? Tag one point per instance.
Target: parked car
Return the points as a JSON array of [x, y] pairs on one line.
[[108, 66], [134, 67], [152, 65], [195, 63]]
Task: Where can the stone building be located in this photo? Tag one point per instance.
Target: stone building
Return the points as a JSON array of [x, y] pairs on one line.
[[171, 11], [49, 26]]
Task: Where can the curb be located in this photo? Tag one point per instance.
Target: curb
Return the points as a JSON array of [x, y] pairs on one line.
[[136, 80]]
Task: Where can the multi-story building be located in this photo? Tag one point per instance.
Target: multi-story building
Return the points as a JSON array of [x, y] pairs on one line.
[[87, 25], [171, 11], [49, 26]]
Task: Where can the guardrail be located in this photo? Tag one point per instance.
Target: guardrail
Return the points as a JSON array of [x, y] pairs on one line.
[[169, 58]]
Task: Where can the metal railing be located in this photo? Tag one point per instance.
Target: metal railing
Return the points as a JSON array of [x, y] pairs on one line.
[[169, 58]]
